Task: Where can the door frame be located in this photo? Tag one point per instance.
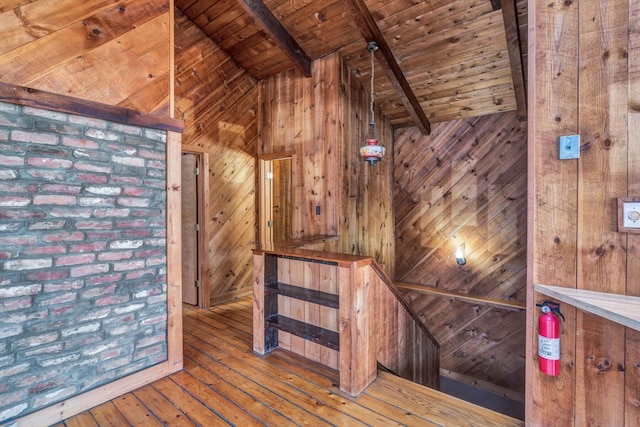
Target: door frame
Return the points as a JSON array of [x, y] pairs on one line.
[[265, 199], [202, 191]]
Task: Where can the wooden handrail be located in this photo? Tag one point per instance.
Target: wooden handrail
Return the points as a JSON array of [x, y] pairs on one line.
[[474, 299]]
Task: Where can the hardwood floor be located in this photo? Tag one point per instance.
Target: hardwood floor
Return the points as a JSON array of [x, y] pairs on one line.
[[223, 383]]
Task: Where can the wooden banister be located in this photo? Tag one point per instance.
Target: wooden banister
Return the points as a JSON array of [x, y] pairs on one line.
[[366, 323]]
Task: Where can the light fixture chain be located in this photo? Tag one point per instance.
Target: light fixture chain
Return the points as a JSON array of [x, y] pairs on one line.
[[372, 95]]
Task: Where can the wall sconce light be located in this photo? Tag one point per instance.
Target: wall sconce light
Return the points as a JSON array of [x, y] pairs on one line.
[[460, 259]]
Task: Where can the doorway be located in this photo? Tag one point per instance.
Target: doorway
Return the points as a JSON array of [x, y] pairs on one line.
[[194, 259], [276, 204]]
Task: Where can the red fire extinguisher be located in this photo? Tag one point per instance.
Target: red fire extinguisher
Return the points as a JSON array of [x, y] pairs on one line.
[[549, 338]]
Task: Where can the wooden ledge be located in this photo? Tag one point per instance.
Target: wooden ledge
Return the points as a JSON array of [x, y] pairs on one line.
[[296, 243], [623, 309], [343, 260], [29, 97]]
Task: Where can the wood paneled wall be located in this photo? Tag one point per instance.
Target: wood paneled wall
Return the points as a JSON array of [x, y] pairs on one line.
[[323, 119], [585, 78], [465, 185], [113, 53], [218, 102]]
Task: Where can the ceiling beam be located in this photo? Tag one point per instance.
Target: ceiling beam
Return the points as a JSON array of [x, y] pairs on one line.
[[510, 18], [267, 22], [371, 32]]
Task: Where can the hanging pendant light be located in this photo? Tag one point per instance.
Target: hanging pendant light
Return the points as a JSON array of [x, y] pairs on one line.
[[371, 151]]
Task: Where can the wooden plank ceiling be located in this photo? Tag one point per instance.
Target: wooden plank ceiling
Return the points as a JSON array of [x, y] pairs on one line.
[[455, 56]]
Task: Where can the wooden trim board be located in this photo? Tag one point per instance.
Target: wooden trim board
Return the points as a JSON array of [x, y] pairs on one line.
[[622, 309]]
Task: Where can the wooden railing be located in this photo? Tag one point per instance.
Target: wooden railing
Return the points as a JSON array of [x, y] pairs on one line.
[[341, 311]]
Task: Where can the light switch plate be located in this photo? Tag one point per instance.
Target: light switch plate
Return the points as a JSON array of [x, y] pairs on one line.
[[569, 147], [629, 214]]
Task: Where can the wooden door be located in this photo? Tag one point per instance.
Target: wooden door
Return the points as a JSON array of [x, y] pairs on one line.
[[190, 254]]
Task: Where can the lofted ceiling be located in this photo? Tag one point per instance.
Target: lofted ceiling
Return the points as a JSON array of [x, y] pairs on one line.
[[438, 60]]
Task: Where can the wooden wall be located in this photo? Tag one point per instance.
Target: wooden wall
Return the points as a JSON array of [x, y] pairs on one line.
[[218, 102], [585, 78], [116, 54], [323, 119], [465, 185]]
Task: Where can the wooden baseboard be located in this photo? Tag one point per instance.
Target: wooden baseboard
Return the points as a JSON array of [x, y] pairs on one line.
[[75, 405]]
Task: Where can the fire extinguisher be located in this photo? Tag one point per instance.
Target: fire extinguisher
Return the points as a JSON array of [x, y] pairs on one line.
[[549, 338]]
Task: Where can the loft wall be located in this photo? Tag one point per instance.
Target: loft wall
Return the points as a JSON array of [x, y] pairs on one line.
[[323, 119], [218, 102], [113, 53], [465, 185], [588, 84]]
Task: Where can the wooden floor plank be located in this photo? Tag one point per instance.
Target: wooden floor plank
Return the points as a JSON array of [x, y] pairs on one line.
[[107, 415], [83, 419], [224, 383], [135, 412], [162, 407]]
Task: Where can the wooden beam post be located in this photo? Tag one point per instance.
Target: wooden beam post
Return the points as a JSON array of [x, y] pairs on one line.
[[370, 31], [510, 18], [264, 19]]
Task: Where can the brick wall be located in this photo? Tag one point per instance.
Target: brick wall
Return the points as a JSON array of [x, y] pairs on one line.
[[82, 255]]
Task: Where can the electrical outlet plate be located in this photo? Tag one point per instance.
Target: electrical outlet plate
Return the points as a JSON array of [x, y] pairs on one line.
[[569, 147], [629, 214]]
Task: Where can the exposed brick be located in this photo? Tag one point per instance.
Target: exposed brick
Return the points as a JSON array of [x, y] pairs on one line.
[[146, 352], [153, 262], [88, 247], [35, 340], [88, 121], [75, 259], [7, 331], [90, 155], [155, 135], [59, 299], [35, 137], [82, 329], [93, 225], [137, 274], [126, 244], [11, 161], [114, 364], [125, 180], [15, 304], [7, 175], [128, 308], [128, 161], [112, 300], [94, 314], [54, 200], [47, 114], [62, 188], [63, 237], [79, 143], [154, 320], [20, 290], [97, 291], [104, 190], [47, 275], [93, 178], [13, 370], [28, 264], [53, 396], [134, 202], [71, 213], [92, 167], [156, 164], [136, 233], [122, 128], [157, 155], [24, 317], [13, 411], [18, 240], [108, 213], [49, 163], [49, 349], [107, 278], [97, 201], [154, 339], [115, 256], [100, 134], [48, 225], [103, 234], [90, 383], [88, 270], [49, 175], [14, 201]]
